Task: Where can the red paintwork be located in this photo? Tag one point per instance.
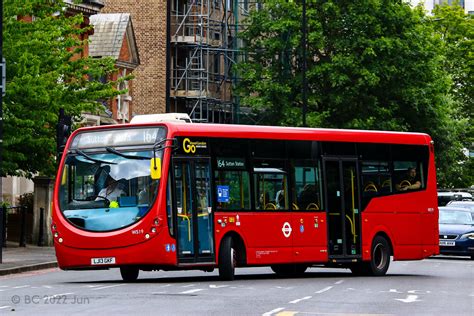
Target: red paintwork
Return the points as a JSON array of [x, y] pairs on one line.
[[413, 231]]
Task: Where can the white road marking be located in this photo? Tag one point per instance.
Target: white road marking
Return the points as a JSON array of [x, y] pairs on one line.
[[107, 287], [409, 299], [276, 310], [300, 299], [324, 290], [48, 286], [191, 291], [213, 286], [419, 292], [285, 287], [3, 307], [20, 287], [161, 286], [93, 286], [394, 291], [189, 285], [4, 285], [339, 282], [56, 295]]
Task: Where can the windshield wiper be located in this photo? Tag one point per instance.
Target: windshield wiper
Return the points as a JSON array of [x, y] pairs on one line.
[[83, 154], [159, 144], [113, 151]]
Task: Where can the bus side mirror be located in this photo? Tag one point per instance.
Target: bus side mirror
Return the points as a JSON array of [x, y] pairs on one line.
[[155, 168]]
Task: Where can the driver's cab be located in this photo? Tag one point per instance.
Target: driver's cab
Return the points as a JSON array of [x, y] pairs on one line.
[[112, 184]]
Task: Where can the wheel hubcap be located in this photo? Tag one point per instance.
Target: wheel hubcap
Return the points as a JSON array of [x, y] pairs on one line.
[[379, 256]]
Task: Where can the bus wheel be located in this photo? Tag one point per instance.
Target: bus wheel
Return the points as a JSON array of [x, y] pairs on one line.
[[227, 260], [380, 260], [129, 274]]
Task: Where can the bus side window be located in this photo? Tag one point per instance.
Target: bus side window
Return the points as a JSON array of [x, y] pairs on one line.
[[307, 196], [232, 189]]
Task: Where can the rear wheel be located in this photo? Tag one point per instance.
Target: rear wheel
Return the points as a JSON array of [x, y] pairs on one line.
[[379, 262], [129, 273], [227, 260]]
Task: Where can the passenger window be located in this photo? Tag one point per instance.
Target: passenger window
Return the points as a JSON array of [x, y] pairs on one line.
[[232, 186], [271, 187], [408, 175], [376, 179], [307, 194]]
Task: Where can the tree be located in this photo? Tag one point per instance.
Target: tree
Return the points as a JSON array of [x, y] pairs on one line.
[[456, 31], [372, 64], [45, 72]]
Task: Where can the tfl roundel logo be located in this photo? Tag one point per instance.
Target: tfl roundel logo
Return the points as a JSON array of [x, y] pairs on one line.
[[286, 229]]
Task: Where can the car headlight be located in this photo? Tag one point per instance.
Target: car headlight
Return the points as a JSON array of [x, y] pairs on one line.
[[468, 235]]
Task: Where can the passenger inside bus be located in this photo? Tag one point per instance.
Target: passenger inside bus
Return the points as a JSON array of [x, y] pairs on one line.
[[410, 181], [280, 196]]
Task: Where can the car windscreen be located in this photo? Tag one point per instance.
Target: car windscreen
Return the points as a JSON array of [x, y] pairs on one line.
[[455, 217]]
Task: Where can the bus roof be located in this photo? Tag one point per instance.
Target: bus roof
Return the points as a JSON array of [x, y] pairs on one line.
[[296, 133], [281, 133]]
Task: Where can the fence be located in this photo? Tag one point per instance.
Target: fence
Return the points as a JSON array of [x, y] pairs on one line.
[[17, 225]]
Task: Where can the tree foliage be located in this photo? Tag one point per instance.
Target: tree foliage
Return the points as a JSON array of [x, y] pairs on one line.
[[455, 28], [372, 64], [45, 72]]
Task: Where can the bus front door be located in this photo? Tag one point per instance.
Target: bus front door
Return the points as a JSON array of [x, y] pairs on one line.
[[193, 210], [343, 208]]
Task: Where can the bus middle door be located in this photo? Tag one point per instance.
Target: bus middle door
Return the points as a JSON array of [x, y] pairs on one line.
[[193, 210], [343, 208]]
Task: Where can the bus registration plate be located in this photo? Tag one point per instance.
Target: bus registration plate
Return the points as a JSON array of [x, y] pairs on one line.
[[99, 261], [447, 243]]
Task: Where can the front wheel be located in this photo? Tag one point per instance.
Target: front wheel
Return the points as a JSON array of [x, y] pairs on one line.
[[129, 274], [227, 260]]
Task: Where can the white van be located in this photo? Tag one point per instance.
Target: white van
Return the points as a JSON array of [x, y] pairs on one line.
[[445, 197]]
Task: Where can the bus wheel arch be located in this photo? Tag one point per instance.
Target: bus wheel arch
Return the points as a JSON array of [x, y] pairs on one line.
[[381, 250], [231, 255]]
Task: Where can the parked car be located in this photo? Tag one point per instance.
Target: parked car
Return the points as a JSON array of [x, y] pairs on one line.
[[456, 232], [469, 205], [445, 197]]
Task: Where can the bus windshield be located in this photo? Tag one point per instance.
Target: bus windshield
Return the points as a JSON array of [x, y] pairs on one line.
[[104, 189]]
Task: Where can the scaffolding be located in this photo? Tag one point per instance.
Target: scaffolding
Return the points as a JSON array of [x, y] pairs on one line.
[[204, 47]]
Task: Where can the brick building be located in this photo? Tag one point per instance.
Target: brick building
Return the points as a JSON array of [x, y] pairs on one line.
[[114, 37], [149, 21], [187, 51]]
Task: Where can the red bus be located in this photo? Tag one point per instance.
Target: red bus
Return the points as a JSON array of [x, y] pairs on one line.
[[206, 196]]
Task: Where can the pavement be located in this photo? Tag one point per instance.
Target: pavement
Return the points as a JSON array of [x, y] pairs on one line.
[[30, 258]]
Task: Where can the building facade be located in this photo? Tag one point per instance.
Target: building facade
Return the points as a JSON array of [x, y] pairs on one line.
[[187, 51], [149, 22]]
